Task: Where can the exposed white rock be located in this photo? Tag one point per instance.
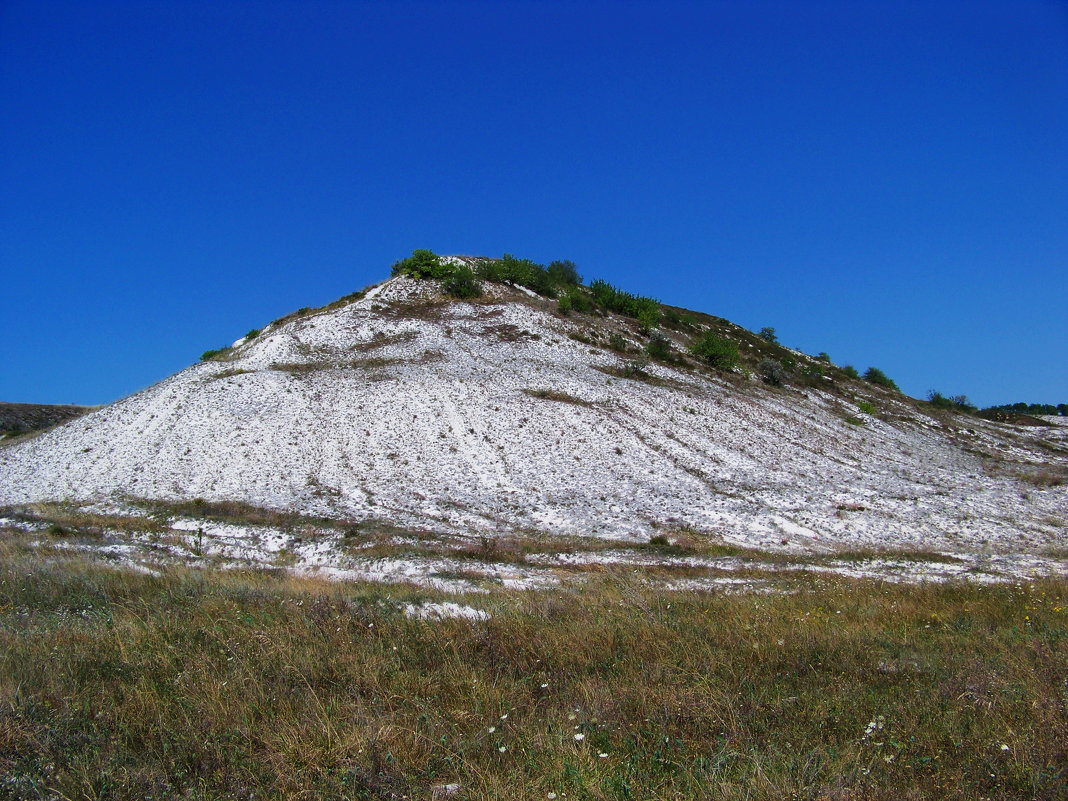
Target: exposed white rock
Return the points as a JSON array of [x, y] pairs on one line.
[[405, 408]]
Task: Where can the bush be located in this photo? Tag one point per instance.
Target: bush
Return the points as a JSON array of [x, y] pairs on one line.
[[214, 355], [720, 353], [648, 319], [771, 372], [659, 348], [873, 375], [574, 299], [645, 310], [255, 332], [462, 283], [423, 264], [849, 371], [867, 408], [618, 343], [521, 272], [957, 403], [767, 333], [823, 357], [564, 272]]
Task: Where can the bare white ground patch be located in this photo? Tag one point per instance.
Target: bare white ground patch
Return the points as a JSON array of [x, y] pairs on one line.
[[447, 609]]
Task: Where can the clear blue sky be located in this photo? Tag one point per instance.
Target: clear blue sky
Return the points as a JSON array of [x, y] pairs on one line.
[[884, 181]]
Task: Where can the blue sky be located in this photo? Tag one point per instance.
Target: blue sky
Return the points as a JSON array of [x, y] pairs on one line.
[[887, 182]]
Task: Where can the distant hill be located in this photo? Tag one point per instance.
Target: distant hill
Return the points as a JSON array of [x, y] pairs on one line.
[[23, 418]]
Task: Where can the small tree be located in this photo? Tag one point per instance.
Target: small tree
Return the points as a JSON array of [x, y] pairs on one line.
[[850, 371], [873, 375], [771, 372], [718, 352], [564, 272], [767, 333]]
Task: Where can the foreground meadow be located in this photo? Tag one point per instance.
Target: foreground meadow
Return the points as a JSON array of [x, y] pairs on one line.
[[208, 684]]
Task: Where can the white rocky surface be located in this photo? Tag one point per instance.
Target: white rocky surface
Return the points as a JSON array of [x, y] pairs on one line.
[[413, 411]]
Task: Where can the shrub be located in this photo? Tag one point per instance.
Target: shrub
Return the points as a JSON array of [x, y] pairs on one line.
[[767, 333], [646, 310], [659, 348], [867, 408], [823, 357], [648, 319], [462, 283], [957, 403], [618, 343], [255, 332], [522, 272], [718, 352], [214, 355], [771, 372], [873, 375], [579, 301], [573, 299], [564, 272], [849, 371], [423, 264]]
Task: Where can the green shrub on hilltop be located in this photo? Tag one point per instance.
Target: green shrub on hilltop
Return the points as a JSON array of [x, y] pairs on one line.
[[646, 310], [423, 264], [957, 403], [564, 273], [521, 272], [873, 375], [215, 355], [849, 371]]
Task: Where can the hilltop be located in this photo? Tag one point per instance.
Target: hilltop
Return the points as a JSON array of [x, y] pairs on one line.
[[403, 415]]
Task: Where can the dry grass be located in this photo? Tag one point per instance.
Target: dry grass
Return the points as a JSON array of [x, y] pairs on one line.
[[252, 685], [555, 395]]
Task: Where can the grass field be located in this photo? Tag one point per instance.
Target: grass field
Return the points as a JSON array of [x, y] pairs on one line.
[[225, 684]]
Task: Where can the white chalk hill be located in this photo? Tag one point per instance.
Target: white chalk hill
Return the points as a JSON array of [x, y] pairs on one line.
[[502, 416]]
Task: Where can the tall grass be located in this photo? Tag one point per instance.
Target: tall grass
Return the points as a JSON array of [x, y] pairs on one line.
[[117, 685]]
